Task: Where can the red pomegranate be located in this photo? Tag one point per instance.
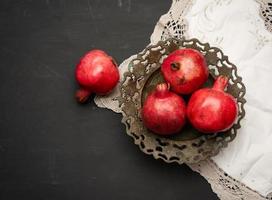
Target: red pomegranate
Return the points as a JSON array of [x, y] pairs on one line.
[[163, 111], [97, 73], [185, 70], [211, 110]]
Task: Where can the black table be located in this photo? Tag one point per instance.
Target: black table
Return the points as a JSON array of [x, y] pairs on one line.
[[51, 148]]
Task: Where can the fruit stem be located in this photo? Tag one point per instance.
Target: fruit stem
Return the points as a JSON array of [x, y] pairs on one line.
[[82, 95], [220, 83], [175, 66]]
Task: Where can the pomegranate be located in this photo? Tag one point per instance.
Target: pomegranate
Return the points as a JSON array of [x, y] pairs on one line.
[[164, 112], [185, 70], [97, 73], [211, 110]]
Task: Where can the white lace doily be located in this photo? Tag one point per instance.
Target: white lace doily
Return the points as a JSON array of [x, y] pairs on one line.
[[241, 171]]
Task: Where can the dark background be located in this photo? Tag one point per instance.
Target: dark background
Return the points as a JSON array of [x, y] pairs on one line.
[[51, 148]]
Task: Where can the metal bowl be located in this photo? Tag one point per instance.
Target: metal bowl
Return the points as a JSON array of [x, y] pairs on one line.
[[189, 146]]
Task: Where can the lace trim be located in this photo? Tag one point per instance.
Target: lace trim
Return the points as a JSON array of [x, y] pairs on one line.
[[174, 24], [266, 13], [177, 26], [225, 186]]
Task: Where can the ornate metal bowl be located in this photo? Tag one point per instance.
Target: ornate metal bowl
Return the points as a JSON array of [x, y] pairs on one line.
[[190, 146]]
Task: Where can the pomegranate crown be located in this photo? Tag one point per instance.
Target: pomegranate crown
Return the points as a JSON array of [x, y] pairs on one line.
[[221, 83], [163, 87]]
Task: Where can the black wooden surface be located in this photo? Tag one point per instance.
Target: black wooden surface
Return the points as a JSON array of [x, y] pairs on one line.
[[51, 148]]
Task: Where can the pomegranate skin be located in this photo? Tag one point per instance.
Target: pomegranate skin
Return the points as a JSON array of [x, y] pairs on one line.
[[97, 72], [186, 70], [164, 112], [211, 110]]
